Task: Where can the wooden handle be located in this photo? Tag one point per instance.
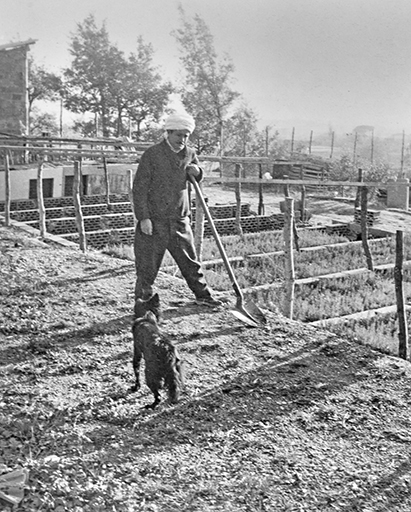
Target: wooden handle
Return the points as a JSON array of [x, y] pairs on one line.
[[220, 246]]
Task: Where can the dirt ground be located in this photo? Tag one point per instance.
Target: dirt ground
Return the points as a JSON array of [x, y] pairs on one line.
[[283, 417]]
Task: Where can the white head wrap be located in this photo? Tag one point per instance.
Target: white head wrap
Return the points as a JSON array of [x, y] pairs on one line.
[[180, 121]]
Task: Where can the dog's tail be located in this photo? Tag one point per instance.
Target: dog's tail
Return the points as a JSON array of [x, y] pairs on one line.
[[174, 380]]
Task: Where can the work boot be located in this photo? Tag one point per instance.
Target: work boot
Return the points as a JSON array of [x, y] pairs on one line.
[[208, 301]]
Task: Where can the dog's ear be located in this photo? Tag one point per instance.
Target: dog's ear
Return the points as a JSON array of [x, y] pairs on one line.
[[155, 300]]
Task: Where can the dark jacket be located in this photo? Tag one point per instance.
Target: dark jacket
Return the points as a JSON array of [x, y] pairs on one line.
[[160, 188]]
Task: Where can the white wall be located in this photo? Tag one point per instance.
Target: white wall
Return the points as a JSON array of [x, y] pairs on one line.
[[19, 182], [19, 179]]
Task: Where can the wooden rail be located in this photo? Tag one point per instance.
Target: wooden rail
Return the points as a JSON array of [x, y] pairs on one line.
[[76, 152], [325, 183]]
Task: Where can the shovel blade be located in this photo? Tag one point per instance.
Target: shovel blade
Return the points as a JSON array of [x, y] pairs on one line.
[[249, 313], [255, 312], [244, 317]]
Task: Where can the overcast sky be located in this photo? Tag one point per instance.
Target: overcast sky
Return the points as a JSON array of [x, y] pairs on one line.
[[311, 64]]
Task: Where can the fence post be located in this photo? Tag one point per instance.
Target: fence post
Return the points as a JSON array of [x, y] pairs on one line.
[[239, 229], [292, 142], [289, 257], [7, 206], [199, 227], [358, 195], [106, 181], [286, 188], [403, 346], [261, 207], [130, 193], [77, 206], [364, 228], [303, 195], [40, 198]]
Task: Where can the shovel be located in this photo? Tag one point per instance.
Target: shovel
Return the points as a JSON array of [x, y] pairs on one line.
[[247, 312]]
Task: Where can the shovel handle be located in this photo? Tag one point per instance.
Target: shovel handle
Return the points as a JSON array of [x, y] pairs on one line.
[[220, 246]]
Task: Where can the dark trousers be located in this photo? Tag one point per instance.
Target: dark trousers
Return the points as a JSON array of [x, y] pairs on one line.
[[175, 236]]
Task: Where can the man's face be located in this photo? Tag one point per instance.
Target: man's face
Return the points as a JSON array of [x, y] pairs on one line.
[[178, 139]]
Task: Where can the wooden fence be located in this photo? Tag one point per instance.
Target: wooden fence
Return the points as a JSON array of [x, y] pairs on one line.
[[13, 150]]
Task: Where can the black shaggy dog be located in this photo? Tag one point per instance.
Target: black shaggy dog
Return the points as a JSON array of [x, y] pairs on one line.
[[163, 366]]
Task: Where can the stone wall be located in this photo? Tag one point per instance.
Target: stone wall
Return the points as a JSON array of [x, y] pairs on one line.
[[13, 90], [68, 225], [69, 211], [371, 216], [398, 194], [114, 223], [58, 202], [120, 234]]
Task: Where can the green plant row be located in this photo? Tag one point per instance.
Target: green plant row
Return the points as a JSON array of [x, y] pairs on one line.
[[338, 297], [325, 260], [250, 243], [378, 331]]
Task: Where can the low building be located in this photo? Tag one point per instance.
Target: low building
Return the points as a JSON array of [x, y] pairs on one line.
[[58, 180]]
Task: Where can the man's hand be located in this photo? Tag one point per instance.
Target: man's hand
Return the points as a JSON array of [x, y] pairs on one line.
[[193, 170], [146, 226]]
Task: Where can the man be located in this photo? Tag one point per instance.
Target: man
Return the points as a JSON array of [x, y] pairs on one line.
[[162, 207]]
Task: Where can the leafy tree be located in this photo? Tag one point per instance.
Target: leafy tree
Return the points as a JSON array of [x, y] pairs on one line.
[[87, 128], [207, 92], [146, 95], [246, 139], [242, 134], [103, 82], [345, 169], [43, 123], [43, 85], [95, 78]]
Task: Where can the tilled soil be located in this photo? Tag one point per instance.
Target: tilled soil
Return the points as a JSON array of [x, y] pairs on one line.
[[277, 418]]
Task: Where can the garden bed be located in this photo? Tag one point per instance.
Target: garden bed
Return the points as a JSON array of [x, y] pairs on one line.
[[287, 418]]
